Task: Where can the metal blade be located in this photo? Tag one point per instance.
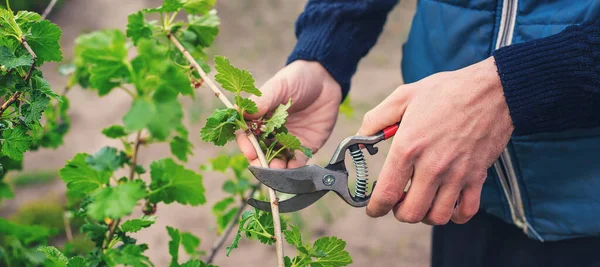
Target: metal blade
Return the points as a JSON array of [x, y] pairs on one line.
[[295, 203], [292, 181]]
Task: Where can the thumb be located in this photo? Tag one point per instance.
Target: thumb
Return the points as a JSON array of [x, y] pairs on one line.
[[274, 92], [388, 112]]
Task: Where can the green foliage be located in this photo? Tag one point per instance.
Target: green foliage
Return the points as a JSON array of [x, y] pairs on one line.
[[116, 202], [172, 182], [326, 251], [257, 225], [134, 225], [81, 178]]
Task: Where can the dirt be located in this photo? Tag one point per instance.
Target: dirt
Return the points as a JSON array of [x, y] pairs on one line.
[[256, 35]]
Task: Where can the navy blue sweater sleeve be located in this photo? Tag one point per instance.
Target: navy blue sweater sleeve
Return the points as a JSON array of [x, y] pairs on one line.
[[553, 84], [338, 33]]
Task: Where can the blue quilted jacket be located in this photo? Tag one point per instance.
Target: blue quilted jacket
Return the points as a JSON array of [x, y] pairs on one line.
[[547, 181]]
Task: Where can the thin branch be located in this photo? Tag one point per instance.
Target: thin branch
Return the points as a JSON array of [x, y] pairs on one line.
[[48, 9], [111, 232], [219, 243], [261, 156], [136, 148], [68, 231]]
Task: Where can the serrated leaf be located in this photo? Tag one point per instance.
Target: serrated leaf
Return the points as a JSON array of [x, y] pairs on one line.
[[334, 251], [137, 28], [116, 202], [220, 163], [246, 105], [190, 243], [32, 111], [167, 6], [104, 55], [54, 257], [220, 127], [223, 216], [205, 27], [234, 244], [198, 6], [95, 232], [106, 159], [25, 18], [167, 117], [172, 182], [128, 255], [9, 25], [288, 141], [181, 148], [16, 142], [174, 245], [10, 61], [39, 83], [196, 263], [307, 151], [233, 79], [141, 113], [77, 262], [293, 237], [114, 131], [82, 179], [278, 117], [134, 225], [43, 39]]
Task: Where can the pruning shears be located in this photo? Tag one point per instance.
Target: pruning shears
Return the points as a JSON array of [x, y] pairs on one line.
[[312, 182]]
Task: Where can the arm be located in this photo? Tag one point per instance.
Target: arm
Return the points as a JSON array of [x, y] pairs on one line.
[[338, 33], [553, 84]]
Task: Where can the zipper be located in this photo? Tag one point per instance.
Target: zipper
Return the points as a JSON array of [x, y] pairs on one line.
[[503, 166]]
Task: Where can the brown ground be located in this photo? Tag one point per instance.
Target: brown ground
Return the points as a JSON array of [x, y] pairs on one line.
[[256, 35]]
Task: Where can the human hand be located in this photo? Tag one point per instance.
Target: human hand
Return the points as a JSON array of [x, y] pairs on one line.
[[316, 98], [454, 125]]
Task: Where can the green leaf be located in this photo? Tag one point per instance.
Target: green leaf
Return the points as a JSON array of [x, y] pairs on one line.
[[167, 117], [181, 147], [32, 111], [9, 25], [5, 191], [293, 236], [104, 55], [198, 6], [233, 79], [10, 61], [333, 249], [167, 6], [220, 127], [190, 243], [38, 83], [106, 159], [141, 113], [54, 257], [25, 233], [25, 18], [137, 28], [234, 244], [129, 255], [16, 142], [288, 141], [116, 202], [223, 215], [115, 131], [82, 179], [172, 182], [278, 118], [220, 163], [205, 27], [134, 225], [307, 151], [77, 262], [174, 245], [95, 232], [43, 39], [246, 105]]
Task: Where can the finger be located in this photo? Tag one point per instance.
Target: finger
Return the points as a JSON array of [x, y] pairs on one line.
[[468, 204], [274, 92], [443, 205], [277, 164], [397, 170], [420, 195], [245, 146], [388, 112]]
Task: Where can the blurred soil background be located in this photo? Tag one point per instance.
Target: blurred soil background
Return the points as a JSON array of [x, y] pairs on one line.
[[256, 35]]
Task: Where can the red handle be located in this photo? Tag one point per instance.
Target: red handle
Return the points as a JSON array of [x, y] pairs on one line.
[[390, 131]]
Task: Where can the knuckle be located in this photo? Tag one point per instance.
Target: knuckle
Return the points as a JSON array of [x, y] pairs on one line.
[[438, 219], [388, 198], [409, 216], [369, 119], [466, 213]]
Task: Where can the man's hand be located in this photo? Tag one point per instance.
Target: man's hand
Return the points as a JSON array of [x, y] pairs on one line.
[[316, 98], [454, 125]]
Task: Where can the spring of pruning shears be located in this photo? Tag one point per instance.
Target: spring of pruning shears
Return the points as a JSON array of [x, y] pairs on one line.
[[312, 182]]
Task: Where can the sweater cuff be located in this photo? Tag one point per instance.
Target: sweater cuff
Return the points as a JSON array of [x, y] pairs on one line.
[[547, 82]]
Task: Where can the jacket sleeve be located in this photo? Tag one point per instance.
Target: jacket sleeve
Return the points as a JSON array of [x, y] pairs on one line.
[[553, 84], [338, 33]]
